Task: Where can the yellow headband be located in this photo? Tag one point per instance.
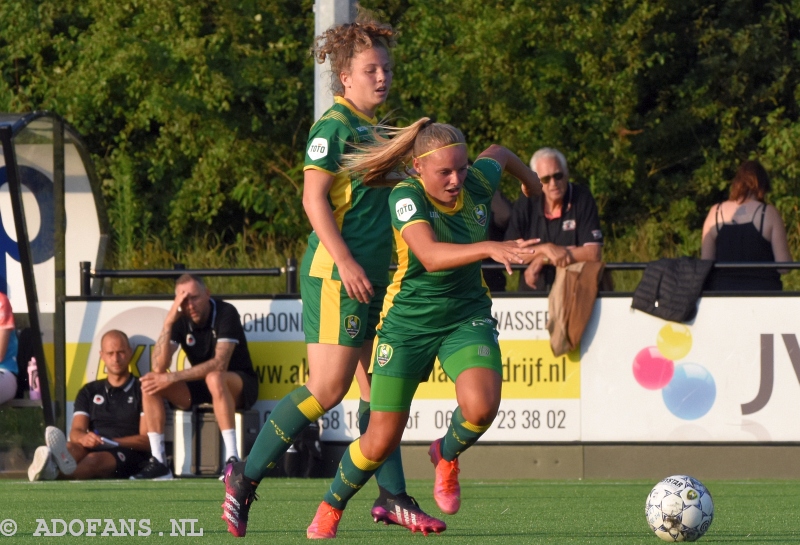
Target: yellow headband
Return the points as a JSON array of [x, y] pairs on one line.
[[443, 147]]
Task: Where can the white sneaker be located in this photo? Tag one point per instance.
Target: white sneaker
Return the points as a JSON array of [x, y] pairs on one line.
[[57, 442], [43, 467]]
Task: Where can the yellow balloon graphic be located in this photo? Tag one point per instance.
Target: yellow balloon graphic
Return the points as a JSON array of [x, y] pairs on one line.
[[674, 341]]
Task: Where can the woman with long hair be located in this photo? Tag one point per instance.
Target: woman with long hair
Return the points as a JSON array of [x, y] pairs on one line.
[[745, 228], [343, 276], [437, 305]]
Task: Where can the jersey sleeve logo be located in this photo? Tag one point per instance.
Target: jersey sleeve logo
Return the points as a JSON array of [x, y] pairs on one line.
[[480, 214], [404, 209], [318, 148]]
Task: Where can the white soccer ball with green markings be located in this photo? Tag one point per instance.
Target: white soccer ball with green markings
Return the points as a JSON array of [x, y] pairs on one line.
[[679, 508]]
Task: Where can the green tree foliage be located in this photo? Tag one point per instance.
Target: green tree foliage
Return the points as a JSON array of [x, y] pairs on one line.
[[654, 102], [197, 112]]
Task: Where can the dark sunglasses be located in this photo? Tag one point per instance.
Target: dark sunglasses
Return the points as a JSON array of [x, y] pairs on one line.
[[558, 176]]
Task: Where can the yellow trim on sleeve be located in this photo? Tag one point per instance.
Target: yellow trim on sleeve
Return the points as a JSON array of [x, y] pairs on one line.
[[411, 223], [315, 167]]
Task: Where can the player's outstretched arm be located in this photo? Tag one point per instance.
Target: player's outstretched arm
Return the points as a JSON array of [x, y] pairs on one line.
[[439, 256]]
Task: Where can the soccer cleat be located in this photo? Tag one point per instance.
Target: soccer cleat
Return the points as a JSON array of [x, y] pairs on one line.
[[404, 511], [43, 467], [325, 522], [57, 442], [153, 470], [446, 490], [231, 460], [240, 493]]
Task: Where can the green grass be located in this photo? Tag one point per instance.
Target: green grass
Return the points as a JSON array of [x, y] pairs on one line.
[[508, 512]]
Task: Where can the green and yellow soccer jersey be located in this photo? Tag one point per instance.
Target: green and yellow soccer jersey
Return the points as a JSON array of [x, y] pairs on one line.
[[360, 212], [418, 300]]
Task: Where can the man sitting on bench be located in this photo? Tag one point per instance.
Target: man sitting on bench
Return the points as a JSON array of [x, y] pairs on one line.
[[210, 333], [107, 436]]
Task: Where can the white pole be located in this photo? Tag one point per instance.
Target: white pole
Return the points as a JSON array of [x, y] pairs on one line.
[[327, 13]]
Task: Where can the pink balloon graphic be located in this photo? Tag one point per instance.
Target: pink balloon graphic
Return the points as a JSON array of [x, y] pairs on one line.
[[652, 370]]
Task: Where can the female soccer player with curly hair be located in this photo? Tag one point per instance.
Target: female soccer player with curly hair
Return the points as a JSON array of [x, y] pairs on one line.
[[344, 274]]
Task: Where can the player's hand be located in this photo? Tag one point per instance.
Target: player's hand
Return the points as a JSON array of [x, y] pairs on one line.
[[152, 383], [510, 252], [355, 281], [90, 440], [526, 243]]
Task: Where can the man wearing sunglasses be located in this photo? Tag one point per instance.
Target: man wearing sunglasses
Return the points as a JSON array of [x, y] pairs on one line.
[[564, 217]]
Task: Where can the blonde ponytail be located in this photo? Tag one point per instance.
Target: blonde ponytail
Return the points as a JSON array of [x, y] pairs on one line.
[[392, 147]]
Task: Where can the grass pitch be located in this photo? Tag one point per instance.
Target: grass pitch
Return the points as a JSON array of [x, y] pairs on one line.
[[507, 512]]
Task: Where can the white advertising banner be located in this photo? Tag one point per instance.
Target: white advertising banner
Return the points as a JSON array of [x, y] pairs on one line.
[[729, 376]]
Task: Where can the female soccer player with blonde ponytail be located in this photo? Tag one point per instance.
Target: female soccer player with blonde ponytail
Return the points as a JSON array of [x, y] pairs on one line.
[[437, 304], [343, 276]]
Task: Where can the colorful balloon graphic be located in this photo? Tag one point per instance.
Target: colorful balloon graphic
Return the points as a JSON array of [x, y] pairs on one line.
[[674, 341], [691, 392], [651, 369]]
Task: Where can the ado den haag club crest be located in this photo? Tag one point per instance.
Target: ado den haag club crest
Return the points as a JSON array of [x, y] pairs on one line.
[[352, 324], [480, 214], [384, 354]]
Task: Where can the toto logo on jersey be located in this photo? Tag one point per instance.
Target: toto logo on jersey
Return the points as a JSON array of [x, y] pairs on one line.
[[318, 148], [404, 209]]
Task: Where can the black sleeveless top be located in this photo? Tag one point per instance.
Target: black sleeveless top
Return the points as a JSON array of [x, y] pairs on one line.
[[743, 242]]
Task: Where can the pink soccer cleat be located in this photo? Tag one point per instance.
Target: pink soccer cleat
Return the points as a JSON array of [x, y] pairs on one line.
[[446, 490]]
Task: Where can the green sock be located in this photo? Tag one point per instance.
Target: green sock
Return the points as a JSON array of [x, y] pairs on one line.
[[460, 436], [354, 471], [290, 416], [389, 476]]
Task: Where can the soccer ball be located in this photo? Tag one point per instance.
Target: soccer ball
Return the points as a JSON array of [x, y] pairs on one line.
[[679, 508]]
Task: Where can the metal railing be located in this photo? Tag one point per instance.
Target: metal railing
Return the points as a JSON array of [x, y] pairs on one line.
[[87, 274], [291, 271]]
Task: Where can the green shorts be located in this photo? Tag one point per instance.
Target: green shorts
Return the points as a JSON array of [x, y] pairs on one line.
[[410, 358], [331, 317]]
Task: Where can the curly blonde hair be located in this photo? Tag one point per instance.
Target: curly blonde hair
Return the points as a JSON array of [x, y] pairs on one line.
[[341, 43], [393, 148]]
